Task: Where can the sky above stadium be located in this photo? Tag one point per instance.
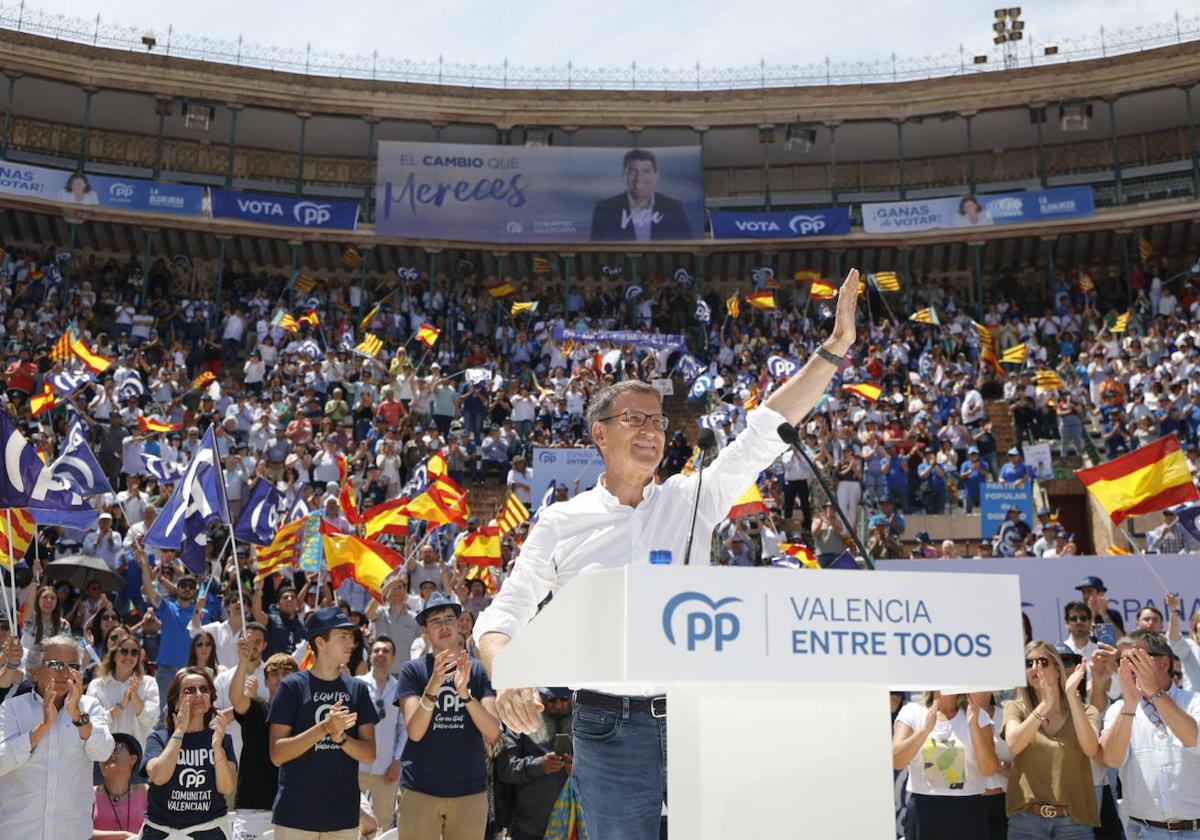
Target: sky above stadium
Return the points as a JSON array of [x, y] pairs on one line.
[[654, 33]]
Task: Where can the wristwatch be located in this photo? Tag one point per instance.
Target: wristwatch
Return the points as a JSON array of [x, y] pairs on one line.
[[832, 358], [82, 721]]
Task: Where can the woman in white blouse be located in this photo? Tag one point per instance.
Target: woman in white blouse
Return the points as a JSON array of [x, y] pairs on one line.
[[123, 688]]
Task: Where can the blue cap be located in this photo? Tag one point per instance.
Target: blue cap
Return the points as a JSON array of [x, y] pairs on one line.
[[877, 520], [438, 601], [923, 536], [1092, 582], [326, 618], [972, 450]]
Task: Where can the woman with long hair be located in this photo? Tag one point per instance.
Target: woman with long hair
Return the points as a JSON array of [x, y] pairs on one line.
[[1053, 737], [203, 653], [946, 742], [47, 618], [124, 689], [188, 763], [109, 642]]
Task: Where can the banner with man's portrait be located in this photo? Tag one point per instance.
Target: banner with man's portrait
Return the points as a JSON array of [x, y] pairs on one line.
[[974, 211], [524, 194]]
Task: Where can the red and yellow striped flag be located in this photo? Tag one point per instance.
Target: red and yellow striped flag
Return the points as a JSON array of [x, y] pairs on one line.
[[1047, 380], [287, 322], [370, 345], [283, 552], [1120, 325], [761, 300], [206, 378], [801, 552], [926, 316], [1146, 480], [16, 533], [886, 281], [43, 402], [866, 390], [512, 514], [61, 352], [1015, 355], [733, 305], [806, 275], [751, 402], [428, 334], [822, 291]]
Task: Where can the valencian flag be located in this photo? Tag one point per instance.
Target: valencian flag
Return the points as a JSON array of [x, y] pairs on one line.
[[41, 403], [866, 390], [541, 265], [733, 306], [481, 547], [153, 424], [304, 284], [369, 317], [95, 362], [26, 482], [748, 503], [259, 518], [512, 514], [926, 316], [428, 334], [483, 573], [1015, 355], [822, 291], [500, 289], [1145, 249], [885, 281], [1047, 380], [761, 300], [287, 322], [284, 551], [751, 401], [1146, 480], [16, 533], [61, 351], [1120, 325], [370, 346], [352, 558], [806, 275], [197, 501], [351, 258], [800, 552], [206, 378]]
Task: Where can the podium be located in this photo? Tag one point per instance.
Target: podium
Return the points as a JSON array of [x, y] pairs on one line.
[[777, 680]]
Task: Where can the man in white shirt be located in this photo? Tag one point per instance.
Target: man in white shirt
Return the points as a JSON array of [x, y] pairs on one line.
[[381, 777], [256, 642], [397, 619], [105, 543], [132, 500], [225, 633], [1151, 736], [619, 522], [520, 481], [49, 739]]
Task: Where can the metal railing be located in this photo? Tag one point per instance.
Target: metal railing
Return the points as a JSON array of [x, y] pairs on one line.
[[102, 33]]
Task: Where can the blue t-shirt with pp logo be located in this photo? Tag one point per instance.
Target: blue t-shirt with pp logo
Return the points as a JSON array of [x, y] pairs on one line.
[[190, 796], [319, 790], [450, 760]]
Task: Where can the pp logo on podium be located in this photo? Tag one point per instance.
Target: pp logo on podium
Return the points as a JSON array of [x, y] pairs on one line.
[[706, 622]]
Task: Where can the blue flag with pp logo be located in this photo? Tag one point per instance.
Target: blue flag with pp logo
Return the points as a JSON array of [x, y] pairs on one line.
[[26, 482], [67, 382], [77, 466], [702, 385], [197, 501], [168, 472], [689, 367], [782, 366], [260, 516]]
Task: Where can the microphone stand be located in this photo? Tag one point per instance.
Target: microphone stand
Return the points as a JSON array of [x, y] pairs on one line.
[[829, 495], [687, 552]]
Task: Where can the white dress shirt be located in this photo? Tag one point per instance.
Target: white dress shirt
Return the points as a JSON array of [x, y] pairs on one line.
[[1159, 774], [109, 691], [47, 791], [390, 732], [224, 637], [595, 531]]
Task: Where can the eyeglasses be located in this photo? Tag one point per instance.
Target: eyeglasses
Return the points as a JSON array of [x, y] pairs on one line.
[[129, 651], [1044, 661], [1075, 618], [195, 689], [637, 419], [188, 584], [439, 622], [56, 665]]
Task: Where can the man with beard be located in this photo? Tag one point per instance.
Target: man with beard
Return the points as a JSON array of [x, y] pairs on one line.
[[532, 766]]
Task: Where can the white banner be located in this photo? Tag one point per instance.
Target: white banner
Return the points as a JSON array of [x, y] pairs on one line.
[[565, 466], [1037, 455], [1048, 583]]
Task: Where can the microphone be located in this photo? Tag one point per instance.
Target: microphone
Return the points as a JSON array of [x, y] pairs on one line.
[[706, 440], [787, 433]]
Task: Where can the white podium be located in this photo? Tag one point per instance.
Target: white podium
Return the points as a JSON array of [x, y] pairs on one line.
[[777, 680]]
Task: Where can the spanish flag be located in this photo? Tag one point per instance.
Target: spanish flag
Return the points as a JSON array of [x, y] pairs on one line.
[[761, 300], [386, 518], [801, 552], [1146, 480], [926, 316], [733, 306], [529, 306], [149, 424], [96, 364], [806, 275], [1015, 355], [822, 291], [866, 390], [1120, 325], [428, 334], [310, 317], [481, 547], [1047, 380], [885, 281], [353, 558], [501, 289], [512, 515], [16, 533], [43, 402], [749, 502], [370, 346]]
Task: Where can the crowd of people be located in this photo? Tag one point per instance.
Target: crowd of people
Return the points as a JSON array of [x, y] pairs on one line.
[[229, 704]]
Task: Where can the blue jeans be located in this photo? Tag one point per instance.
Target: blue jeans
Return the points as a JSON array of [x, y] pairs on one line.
[[1137, 831], [621, 769], [1033, 827]]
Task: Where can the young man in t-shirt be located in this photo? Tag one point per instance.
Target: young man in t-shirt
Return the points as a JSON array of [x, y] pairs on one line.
[[282, 620], [449, 710], [258, 778], [322, 726]]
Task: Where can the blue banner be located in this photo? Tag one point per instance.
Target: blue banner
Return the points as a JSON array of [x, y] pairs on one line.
[[284, 210], [99, 190], [834, 221], [996, 498], [642, 339], [974, 211], [539, 193]]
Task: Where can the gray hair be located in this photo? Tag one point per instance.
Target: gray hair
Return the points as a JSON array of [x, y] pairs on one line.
[[602, 403], [38, 654], [1155, 643]]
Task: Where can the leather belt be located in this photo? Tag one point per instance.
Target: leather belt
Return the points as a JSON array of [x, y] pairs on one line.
[[1173, 825], [1047, 811], [653, 706]]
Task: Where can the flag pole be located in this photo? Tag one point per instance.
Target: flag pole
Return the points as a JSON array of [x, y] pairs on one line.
[[237, 578], [12, 577], [1146, 560]]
